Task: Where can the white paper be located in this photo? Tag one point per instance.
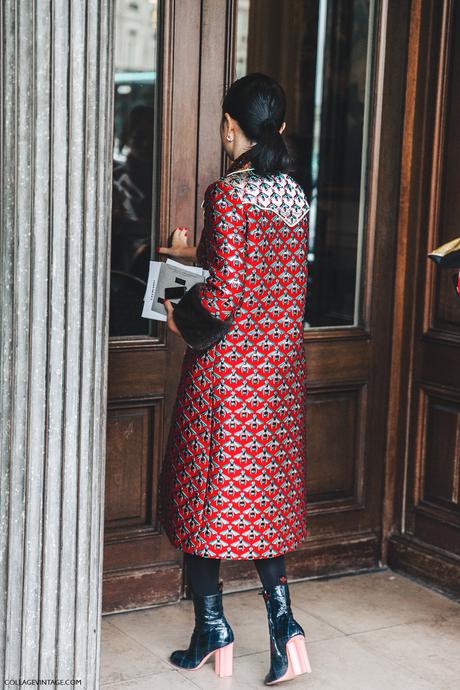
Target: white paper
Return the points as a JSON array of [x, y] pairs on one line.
[[163, 275], [194, 269]]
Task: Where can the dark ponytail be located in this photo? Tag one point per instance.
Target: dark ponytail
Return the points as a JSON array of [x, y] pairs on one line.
[[258, 103]]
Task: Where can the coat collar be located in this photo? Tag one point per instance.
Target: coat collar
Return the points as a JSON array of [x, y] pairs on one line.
[[234, 172], [279, 193]]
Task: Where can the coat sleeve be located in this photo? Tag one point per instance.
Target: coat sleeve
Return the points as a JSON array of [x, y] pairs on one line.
[[206, 311]]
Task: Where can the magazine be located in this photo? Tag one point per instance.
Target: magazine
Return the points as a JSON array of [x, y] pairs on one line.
[[168, 280]]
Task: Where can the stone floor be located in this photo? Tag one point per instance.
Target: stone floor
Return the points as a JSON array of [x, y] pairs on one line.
[[376, 631]]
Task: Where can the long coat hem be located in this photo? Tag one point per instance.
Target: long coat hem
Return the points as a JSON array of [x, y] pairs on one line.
[[287, 547]]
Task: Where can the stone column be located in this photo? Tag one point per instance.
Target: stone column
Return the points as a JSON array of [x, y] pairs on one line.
[[56, 140]]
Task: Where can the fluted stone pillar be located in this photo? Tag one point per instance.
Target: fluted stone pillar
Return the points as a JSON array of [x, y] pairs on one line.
[[56, 134]]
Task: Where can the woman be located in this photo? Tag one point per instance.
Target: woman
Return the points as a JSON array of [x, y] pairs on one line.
[[232, 483]]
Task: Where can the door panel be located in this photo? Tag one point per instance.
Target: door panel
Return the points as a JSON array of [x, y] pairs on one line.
[[433, 508], [141, 567], [426, 537], [329, 58]]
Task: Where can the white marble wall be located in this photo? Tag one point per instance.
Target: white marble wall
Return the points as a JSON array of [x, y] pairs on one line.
[[56, 135]]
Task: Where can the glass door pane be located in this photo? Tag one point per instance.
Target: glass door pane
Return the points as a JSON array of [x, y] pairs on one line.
[[321, 53], [135, 156]]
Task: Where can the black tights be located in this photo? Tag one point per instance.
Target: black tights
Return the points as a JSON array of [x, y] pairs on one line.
[[203, 573]]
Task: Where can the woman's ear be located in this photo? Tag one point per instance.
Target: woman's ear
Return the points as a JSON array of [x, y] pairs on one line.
[[227, 126], [282, 128]]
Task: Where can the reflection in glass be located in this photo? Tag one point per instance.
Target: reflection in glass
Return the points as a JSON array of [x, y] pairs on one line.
[[448, 306], [319, 50], [134, 158]]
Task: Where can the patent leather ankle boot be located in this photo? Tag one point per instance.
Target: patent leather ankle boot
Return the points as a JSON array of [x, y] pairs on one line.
[[288, 652], [212, 635]]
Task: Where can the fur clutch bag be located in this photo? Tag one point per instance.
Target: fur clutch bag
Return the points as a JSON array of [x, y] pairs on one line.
[[198, 327]]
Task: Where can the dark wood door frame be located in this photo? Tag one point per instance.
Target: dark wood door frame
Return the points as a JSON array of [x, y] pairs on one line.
[[418, 341]]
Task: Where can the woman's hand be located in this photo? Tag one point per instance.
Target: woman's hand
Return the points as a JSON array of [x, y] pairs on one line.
[[170, 318], [179, 247]]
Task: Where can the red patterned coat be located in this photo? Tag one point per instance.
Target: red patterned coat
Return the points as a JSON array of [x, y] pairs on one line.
[[232, 483]]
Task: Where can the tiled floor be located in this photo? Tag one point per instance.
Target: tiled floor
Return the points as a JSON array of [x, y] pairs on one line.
[[377, 631]]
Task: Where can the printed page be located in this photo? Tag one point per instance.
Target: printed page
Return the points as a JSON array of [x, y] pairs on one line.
[[168, 280]]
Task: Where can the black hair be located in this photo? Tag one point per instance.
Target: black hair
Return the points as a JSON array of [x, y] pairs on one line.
[[258, 103]]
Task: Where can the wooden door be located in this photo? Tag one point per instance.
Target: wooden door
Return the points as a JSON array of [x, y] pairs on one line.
[[423, 520], [345, 103], [342, 64], [156, 101]]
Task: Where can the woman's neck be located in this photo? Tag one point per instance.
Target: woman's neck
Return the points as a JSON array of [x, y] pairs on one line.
[[239, 165]]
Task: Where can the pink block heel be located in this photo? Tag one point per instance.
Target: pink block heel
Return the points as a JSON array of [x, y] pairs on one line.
[[297, 655], [298, 661], [223, 660]]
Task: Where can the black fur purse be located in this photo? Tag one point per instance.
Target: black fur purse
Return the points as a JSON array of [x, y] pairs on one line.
[[198, 327]]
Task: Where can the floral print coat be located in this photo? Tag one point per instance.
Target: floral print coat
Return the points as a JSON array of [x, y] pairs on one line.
[[232, 482]]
